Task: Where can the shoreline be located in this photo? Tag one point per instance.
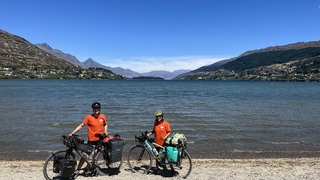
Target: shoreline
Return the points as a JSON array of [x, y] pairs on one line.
[[42, 155], [203, 169]]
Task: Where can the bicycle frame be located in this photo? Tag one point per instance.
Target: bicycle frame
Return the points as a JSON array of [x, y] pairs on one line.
[[101, 162], [156, 154], [96, 149], [141, 155], [153, 151], [90, 165]]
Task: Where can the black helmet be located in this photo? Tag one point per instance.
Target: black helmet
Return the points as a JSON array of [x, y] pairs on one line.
[[96, 105]]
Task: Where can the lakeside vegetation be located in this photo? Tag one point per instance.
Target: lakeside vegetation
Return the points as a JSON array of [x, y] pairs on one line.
[[53, 73]]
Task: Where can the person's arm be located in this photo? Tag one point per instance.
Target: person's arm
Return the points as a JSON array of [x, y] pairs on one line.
[[106, 129], [150, 133], [77, 129], [165, 137]]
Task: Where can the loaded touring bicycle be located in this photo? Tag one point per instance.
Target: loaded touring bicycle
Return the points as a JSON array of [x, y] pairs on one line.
[[173, 158], [103, 159]]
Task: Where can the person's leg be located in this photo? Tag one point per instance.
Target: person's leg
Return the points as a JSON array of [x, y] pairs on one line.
[[80, 164], [76, 172], [157, 163], [93, 144]]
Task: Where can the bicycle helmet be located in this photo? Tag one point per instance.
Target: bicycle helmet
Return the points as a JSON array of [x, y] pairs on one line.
[[95, 105], [158, 113]]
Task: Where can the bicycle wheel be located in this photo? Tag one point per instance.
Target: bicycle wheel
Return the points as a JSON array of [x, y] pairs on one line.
[[49, 171], [184, 165], [139, 159], [105, 168]]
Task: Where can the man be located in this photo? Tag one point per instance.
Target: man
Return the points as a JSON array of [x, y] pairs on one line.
[[97, 124]]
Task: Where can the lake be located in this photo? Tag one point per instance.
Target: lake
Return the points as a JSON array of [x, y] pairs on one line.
[[219, 118]]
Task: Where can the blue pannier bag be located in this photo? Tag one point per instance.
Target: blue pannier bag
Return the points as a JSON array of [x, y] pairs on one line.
[[172, 154]]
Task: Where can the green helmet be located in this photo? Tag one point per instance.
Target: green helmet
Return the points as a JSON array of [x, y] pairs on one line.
[[158, 113]]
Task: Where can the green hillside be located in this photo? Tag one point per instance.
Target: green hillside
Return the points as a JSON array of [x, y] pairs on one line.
[[21, 59], [294, 62], [271, 57]]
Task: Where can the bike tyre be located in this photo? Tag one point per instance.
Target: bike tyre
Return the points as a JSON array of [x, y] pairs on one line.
[[104, 168], [48, 164], [139, 159], [183, 168]]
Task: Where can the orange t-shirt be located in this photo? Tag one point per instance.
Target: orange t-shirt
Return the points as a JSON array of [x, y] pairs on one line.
[[160, 130], [95, 126]]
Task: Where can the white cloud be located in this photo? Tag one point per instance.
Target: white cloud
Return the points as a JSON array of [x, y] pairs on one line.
[[147, 64]]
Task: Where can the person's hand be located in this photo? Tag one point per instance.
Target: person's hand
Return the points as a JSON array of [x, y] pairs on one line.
[[71, 134], [106, 133]]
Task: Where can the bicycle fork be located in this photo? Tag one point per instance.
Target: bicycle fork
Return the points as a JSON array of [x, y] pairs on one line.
[[141, 154]]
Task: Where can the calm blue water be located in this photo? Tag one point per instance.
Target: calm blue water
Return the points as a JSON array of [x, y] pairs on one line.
[[215, 116]]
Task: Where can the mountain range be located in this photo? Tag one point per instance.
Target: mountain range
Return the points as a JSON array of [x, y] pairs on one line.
[[90, 63], [293, 62]]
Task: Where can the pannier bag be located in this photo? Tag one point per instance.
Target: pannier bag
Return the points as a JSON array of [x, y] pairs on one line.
[[67, 167], [172, 154], [176, 139], [56, 163], [115, 149]]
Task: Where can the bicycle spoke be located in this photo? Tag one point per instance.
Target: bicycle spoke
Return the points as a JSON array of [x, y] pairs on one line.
[[183, 167], [139, 160], [49, 171], [106, 168]]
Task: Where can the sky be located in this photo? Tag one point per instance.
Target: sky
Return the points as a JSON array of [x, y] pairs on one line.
[[147, 35]]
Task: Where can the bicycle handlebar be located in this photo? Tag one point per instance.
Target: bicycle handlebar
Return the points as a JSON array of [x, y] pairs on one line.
[[144, 137]]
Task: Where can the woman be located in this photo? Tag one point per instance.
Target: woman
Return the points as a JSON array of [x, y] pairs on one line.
[[161, 130]]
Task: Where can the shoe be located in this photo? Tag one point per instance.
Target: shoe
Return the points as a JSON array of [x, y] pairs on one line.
[[90, 156], [156, 170], [75, 174]]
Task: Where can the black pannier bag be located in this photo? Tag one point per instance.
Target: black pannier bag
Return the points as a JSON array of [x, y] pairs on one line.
[[56, 163], [115, 149], [67, 167]]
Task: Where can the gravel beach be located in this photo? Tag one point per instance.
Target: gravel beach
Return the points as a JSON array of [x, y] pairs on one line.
[[206, 169]]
